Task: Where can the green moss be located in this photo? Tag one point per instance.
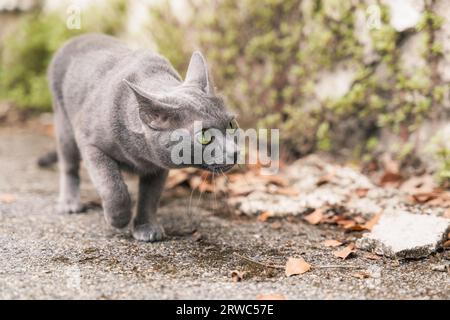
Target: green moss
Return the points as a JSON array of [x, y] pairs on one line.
[[26, 52], [267, 55]]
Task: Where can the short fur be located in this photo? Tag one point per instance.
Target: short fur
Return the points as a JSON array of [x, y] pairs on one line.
[[115, 108]]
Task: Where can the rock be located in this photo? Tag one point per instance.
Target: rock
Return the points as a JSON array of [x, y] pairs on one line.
[[334, 84], [403, 235], [442, 8], [404, 14]]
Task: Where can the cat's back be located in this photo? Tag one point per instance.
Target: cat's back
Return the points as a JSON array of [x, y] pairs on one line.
[[79, 60]]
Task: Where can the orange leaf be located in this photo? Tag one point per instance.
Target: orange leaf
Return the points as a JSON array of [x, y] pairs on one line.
[[276, 225], [315, 217], [296, 266], [332, 243], [237, 276], [372, 221], [371, 256], [447, 213], [361, 275], [264, 216], [361, 192], [346, 252], [272, 296], [287, 192], [7, 198]]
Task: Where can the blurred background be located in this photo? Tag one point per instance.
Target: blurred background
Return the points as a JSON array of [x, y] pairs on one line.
[[366, 81]]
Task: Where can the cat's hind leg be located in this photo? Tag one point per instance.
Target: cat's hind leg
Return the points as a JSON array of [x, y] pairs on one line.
[[69, 165]]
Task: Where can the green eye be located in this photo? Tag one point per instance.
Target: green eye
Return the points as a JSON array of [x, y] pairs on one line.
[[233, 125], [204, 137]]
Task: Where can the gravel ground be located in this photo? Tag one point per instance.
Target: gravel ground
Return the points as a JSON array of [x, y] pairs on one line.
[[44, 255]]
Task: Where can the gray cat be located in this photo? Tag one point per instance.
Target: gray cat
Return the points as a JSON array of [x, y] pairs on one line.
[[115, 109]]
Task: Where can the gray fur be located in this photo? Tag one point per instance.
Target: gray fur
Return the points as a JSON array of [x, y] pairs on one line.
[[115, 108]]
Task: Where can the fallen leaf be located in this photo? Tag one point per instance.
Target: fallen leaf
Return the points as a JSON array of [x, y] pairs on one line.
[[291, 192], [296, 266], [197, 236], [372, 222], [332, 243], [423, 197], [272, 296], [371, 256], [264, 216], [315, 217], [326, 178], [446, 244], [176, 178], [7, 198], [390, 178], [237, 276], [447, 213], [276, 225], [346, 252], [361, 192], [361, 275], [274, 179]]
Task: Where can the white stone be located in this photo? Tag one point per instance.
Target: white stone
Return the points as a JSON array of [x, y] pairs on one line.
[[401, 234], [405, 14], [334, 84]]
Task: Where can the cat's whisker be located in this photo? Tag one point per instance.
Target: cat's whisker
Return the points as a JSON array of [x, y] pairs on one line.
[[214, 191]]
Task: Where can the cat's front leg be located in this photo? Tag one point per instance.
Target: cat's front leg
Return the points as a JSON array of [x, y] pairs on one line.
[[107, 179], [145, 224]]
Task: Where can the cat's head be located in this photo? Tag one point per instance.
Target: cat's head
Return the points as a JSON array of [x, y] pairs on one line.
[[188, 120]]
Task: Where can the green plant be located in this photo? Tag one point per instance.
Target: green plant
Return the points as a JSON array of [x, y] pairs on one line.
[[26, 52]]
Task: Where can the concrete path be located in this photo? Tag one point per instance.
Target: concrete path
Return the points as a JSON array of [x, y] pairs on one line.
[[46, 255]]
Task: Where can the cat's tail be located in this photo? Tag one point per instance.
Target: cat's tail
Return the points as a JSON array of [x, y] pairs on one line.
[[47, 159]]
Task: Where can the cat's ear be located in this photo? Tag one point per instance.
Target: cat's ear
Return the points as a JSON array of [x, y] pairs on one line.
[[152, 111], [198, 73]]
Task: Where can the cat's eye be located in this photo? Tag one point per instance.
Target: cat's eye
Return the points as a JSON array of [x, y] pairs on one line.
[[204, 137], [233, 125]]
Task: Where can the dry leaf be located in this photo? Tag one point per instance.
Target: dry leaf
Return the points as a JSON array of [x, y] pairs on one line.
[[7, 198], [237, 276], [291, 192], [390, 178], [332, 243], [346, 252], [446, 244], [273, 296], [315, 217], [447, 213], [264, 216], [274, 179], [296, 266], [361, 275], [197, 236], [372, 222], [276, 225], [176, 178], [326, 178], [371, 256], [361, 192], [423, 197]]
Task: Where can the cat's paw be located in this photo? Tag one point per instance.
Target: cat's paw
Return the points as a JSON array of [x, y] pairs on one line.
[[70, 206], [148, 232]]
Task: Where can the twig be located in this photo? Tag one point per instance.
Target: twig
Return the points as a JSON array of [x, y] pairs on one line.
[[337, 267], [274, 266]]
